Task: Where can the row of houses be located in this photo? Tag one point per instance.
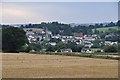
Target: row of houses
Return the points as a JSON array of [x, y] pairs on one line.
[[36, 35], [84, 50]]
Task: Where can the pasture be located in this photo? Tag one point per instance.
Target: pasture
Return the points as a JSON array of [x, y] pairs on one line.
[[107, 28], [24, 65]]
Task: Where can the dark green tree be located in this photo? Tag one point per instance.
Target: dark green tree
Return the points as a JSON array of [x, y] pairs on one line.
[[60, 45], [0, 39], [50, 48], [55, 40], [25, 48], [13, 39], [110, 49], [118, 23], [36, 47]]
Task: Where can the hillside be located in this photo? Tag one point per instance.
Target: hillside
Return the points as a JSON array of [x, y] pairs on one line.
[[107, 28]]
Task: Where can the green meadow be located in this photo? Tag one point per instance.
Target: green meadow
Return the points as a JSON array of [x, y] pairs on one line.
[[107, 28]]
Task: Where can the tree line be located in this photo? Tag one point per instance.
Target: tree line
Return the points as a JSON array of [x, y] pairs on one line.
[[66, 29]]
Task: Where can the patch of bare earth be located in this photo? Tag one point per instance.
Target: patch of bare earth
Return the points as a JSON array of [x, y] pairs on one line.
[[23, 65]]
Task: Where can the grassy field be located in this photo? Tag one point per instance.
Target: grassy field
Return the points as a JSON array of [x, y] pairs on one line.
[[107, 28], [41, 66]]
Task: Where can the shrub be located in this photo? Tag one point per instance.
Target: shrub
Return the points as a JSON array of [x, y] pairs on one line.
[[110, 49]]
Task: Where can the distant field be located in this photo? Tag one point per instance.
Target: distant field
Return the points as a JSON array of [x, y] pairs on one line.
[[25, 65], [107, 28]]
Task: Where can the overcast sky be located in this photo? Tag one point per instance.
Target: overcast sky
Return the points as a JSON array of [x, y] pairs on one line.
[[65, 12], [59, 0]]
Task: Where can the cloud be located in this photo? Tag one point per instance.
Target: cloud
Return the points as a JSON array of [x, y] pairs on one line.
[[12, 14], [15, 12]]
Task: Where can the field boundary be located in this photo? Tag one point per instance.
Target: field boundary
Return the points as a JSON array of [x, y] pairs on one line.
[[114, 56]]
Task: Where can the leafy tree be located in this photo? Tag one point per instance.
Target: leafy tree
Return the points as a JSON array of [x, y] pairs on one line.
[[60, 45], [62, 29], [101, 25], [118, 23], [55, 40], [111, 24], [96, 45], [110, 49], [118, 47], [74, 47], [44, 44], [36, 47], [25, 48], [79, 48], [13, 39], [71, 44], [97, 41], [102, 35], [51, 48], [96, 31], [112, 38]]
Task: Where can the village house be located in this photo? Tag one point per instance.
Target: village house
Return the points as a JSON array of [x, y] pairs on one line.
[[110, 43], [52, 43], [58, 36], [78, 36], [65, 39], [37, 34], [89, 38], [66, 50], [79, 42], [88, 44], [87, 51]]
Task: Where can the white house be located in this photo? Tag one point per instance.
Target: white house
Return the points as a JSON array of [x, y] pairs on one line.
[[86, 51], [66, 50], [52, 43]]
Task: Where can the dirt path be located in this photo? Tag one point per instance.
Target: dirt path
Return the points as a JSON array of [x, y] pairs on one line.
[[37, 66]]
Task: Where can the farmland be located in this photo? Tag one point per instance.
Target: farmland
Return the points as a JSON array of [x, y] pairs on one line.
[[41, 66], [107, 28]]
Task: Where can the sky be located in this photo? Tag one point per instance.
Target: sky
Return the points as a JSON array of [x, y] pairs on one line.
[[64, 12], [59, 0]]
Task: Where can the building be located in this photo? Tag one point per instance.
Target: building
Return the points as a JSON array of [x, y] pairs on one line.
[[78, 36], [110, 43], [35, 35], [66, 50], [86, 51], [52, 43], [89, 37], [88, 44]]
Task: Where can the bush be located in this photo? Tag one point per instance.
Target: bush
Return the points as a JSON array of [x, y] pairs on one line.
[[36, 47], [50, 48], [110, 49], [25, 48]]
